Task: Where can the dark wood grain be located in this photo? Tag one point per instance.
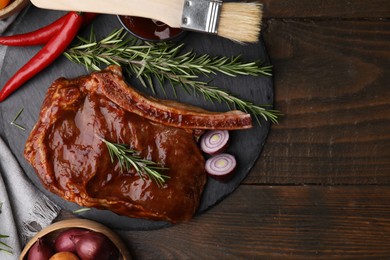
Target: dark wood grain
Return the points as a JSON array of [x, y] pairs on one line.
[[266, 221], [326, 9], [332, 84], [329, 157]]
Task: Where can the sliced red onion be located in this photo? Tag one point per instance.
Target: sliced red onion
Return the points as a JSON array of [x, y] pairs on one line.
[[215, 141], [221, 166]]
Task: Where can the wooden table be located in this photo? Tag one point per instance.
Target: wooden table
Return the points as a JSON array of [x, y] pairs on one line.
[[321, 187]]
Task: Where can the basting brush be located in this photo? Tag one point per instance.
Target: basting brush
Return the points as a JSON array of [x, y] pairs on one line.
[[238, 21]]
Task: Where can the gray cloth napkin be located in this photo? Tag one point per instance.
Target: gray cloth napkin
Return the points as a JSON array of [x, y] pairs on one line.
[[25, 210]]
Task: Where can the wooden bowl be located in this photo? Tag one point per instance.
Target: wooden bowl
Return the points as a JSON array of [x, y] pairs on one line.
[[53, 230], [13, 7]]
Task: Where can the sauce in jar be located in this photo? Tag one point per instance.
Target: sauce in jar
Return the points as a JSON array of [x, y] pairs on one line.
[[149, 29]]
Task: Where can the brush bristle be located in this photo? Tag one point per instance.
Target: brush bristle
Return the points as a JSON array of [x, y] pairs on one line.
[[240, 21]]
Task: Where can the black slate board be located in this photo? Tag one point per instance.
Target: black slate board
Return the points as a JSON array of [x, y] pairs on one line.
[[246, 145]]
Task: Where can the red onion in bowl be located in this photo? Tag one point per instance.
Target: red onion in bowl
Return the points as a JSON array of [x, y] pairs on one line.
[[66, 240], [40, 251], [93, 245], [214, 141], [221, 166]]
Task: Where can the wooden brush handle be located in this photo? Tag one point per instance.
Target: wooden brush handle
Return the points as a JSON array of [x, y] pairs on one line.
[[167, 11]]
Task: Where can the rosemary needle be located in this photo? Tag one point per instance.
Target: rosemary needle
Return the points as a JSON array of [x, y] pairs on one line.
[[3, 246], [165, 62], [129, 159], [13, 122], [81, 210], [4, 249]]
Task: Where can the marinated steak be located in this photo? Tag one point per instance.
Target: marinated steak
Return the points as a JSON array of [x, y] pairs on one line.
[[111, 84], [68, 154]]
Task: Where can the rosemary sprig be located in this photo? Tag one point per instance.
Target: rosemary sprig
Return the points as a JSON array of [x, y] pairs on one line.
[[128, 159], [165, 62], [3, 246], [80, 210], [13, 122]]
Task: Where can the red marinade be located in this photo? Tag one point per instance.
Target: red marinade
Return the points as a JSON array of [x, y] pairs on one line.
[[149, 29]]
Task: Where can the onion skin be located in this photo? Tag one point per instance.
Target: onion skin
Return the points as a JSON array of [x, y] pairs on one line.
[[221, 167], [64, 256], [214, 141], [40, 251], [96, 246], [66, 240]]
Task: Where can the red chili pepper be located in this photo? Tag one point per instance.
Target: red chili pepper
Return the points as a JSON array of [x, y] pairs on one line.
[[44, 34], [88, 18], [54, 48]]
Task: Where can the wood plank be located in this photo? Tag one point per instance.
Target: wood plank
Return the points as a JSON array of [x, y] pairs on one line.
[[332, 84], [326, 9], [297, 222]]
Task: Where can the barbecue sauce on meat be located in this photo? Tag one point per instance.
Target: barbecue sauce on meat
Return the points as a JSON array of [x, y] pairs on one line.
[[68, 155]]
